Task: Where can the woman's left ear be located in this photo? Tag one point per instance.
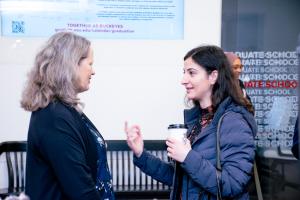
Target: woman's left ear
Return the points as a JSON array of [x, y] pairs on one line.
[[213, 77]]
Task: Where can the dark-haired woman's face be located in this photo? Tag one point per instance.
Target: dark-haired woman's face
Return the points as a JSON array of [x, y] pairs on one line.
[[197, 82], [237, 68]]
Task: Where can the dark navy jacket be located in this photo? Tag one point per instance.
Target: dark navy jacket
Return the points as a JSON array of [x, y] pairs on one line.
[[199, 172], [61, 156]]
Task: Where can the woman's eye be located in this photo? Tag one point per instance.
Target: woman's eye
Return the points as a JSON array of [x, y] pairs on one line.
[[191, 73]]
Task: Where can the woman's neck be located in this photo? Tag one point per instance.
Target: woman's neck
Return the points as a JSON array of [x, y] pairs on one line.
[[205, 103]]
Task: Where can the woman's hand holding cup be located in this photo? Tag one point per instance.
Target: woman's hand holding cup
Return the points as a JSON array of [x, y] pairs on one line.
[[178, 149], [178, 145]]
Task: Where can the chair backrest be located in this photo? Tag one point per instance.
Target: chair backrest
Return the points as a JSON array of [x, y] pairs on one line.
[[125, 175], [15, 153]]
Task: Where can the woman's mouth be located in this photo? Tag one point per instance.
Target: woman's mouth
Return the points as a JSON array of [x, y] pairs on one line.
[[188, 89]]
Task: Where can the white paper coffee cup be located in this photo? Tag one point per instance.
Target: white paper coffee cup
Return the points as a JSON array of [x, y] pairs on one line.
[[177, 131]]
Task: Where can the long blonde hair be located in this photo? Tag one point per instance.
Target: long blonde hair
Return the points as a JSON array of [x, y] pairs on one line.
[[54, 74]]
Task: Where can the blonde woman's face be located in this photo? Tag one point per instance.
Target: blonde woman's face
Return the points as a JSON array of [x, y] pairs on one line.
[[85, 72]]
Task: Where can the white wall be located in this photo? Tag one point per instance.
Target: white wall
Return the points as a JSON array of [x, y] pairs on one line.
[[136, 80]]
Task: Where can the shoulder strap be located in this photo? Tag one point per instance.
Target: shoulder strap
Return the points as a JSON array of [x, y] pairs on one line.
[[219, 167], [257, 182]]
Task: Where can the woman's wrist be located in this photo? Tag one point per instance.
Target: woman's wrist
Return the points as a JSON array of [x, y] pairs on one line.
[[138, 153]]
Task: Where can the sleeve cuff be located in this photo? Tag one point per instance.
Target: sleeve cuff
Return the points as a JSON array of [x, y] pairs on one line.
[[140, 161], [189, 160]]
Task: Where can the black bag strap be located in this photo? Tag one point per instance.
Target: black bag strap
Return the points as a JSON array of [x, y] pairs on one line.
[[257, 182], [219, 167]]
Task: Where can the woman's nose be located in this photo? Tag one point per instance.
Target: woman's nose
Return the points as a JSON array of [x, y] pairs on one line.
[[184, 80]]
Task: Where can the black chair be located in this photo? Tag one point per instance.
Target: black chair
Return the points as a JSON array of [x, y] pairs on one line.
[[15, 155], [128, 181]]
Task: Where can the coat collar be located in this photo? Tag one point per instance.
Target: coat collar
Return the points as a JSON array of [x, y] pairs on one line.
[[193, 115]]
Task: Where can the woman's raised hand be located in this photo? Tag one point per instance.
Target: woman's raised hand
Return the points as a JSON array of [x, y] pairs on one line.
[[134, 139]]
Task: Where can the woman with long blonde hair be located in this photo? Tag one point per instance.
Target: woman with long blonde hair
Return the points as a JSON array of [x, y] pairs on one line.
[[66, 154]]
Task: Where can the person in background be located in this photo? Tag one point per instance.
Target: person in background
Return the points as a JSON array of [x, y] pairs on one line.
[[66, 154], [295, 147], [237, 67], [211, 87]]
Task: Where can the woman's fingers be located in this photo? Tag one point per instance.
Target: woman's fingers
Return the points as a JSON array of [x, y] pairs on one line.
[[170, 150], [133, 135], [138, 127], [171, 140], [130, 130], [126, 127], [170, 144], [133, 127], [131, 138]]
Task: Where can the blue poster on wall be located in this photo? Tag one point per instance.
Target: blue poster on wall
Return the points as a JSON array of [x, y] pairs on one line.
[[103, 19]]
